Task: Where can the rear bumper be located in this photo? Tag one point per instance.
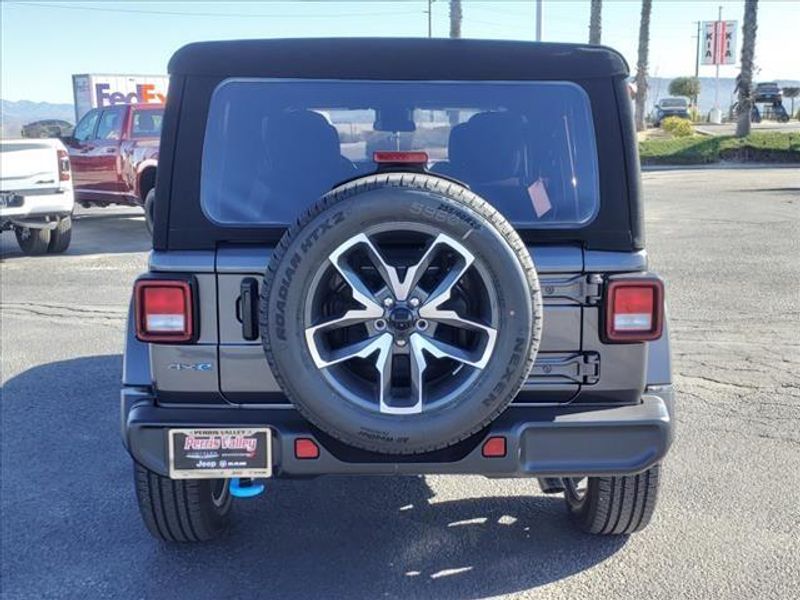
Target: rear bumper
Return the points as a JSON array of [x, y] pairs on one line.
[[541, 442], [33, 204]]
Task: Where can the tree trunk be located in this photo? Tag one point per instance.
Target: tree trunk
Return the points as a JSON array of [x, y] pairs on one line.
[[641, 63], [745, 83], [455, 18], [595, 22]]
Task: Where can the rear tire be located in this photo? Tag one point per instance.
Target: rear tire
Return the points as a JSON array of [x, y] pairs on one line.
[[61, 236], [33, 242], [614, 505], [192, 510], [149, 205]]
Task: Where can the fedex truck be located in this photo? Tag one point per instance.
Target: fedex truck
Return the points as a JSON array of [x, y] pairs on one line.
[[97, 90]]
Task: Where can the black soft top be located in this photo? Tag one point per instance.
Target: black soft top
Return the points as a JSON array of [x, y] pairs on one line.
[[197, 69], [397, 58]]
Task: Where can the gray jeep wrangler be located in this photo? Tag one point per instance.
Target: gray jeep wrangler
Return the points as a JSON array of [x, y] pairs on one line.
[[396, 256]]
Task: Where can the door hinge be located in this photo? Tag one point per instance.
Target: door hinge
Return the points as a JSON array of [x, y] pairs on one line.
[[583, 289], [575, 368]]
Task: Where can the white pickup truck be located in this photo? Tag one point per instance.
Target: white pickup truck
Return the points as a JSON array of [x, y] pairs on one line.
[[36, 197]]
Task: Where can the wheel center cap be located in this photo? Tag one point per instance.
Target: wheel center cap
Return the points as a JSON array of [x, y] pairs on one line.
[[401, 318]]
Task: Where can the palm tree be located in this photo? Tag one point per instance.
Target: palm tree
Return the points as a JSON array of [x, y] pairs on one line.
[[641, 63], [745, 79], [455, 18], [595, 26]]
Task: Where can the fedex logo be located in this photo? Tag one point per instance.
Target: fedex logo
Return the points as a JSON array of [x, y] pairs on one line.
[[145, 94]]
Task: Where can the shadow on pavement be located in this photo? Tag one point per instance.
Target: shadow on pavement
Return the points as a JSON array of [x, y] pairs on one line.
[[94, 231], [71, 526]]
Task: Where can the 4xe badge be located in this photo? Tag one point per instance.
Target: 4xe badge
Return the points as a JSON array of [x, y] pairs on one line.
[[197, 367]]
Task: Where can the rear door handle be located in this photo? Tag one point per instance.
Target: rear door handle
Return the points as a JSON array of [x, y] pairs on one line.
[[248, 302]]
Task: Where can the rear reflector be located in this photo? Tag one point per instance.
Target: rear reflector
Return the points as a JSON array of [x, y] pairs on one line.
[[305, 448], [63, 165], [163, 311], [634, 310], [404, 158], [494, 447]]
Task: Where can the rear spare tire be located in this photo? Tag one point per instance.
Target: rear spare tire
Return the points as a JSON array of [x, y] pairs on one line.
[[401, 314], [149, 207]]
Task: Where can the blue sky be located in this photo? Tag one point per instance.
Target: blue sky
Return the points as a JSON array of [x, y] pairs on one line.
[[45, 41]]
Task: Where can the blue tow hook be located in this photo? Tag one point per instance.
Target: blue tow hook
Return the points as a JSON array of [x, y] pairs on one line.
[[245, 487]]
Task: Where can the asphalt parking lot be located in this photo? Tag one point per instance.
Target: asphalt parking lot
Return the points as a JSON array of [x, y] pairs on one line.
[[728, 524]]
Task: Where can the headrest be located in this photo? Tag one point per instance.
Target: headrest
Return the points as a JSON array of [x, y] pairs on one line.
[[146, 122], [300, 137], [488, 147]]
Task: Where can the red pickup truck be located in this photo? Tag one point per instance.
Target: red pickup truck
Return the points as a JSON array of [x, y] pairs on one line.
[[114, 155]]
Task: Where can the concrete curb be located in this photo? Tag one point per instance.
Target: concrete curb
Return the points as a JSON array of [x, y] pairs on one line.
[[720, 166]]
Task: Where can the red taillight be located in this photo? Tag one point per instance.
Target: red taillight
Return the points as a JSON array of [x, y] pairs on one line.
[[63, 165], [163, 311], [305, 448], [406, 158], [494, 447], [634, 310]]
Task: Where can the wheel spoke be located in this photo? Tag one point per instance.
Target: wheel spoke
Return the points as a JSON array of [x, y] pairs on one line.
[[442, 292], [363, 349], [360, 290], [441, 349], [415, 272]]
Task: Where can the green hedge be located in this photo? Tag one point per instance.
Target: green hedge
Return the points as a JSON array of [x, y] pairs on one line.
[[775, 147]]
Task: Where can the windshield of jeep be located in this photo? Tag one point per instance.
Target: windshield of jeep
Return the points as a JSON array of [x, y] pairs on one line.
[[272, 147]]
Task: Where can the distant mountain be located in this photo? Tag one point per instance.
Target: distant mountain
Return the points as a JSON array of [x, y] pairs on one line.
[[659, 88], [13, 115]]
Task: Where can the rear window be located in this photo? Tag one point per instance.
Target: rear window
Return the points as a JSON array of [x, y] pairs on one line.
[[147, 123], [674, 103], [272, 147]]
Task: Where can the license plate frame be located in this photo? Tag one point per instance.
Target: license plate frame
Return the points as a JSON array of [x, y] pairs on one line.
[[206, 453]]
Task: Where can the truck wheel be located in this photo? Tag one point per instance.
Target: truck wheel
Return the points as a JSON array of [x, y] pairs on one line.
[[61, 236], [613, 505], [401, 314], [33, 242], [192, 510], [149, 205]]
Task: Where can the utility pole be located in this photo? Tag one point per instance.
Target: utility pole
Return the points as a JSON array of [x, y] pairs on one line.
[[538, 20], [430, 18], [455, 18]]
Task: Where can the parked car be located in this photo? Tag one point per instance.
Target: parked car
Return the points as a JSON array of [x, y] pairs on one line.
[[114, 153], [768, 92], [36, 196], [48, 128], [674, 106], [313, 309]]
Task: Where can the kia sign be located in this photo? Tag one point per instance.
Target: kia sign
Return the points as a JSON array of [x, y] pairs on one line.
[[95, 91], [719, 43]]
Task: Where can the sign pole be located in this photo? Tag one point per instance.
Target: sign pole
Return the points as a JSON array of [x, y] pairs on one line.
[[719, 45]]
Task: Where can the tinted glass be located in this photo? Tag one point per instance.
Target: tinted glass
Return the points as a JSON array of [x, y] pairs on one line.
[[85, 128], [273, 147], [674, 103], [110, 126], [147, 123]]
